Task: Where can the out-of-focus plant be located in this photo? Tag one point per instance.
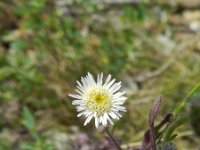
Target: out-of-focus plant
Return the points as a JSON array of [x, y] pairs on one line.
[[37, 142], [182, 118], [4, 145], [44, 47]]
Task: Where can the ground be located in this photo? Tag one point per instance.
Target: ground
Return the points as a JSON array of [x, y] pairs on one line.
[[45, 46]]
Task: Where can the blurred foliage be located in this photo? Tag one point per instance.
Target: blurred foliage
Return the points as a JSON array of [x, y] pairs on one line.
[[167, 146], [46, 45], [38, 141], [194, 113]]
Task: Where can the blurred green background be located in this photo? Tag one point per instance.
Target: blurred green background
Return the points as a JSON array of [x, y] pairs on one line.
[[46, 45]]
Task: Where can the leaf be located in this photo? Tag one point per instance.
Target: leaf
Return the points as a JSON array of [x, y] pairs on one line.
[[152, 116], [149, 140], [193, 92], [179, 121], [5, 72], [29, 121], [167, 119], [153, 111], [169, 134]]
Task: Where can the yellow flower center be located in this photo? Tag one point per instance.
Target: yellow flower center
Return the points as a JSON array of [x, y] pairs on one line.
[[98, 100]]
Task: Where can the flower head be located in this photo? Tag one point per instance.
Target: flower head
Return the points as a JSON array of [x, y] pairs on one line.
[[98, 100]]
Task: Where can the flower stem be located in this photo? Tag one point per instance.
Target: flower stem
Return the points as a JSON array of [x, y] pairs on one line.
[[113, 139]]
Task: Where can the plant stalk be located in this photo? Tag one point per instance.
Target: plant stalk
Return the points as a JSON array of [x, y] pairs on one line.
[[113, 139]]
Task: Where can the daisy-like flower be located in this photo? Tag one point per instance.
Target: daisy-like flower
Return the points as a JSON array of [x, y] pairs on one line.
[[98, 100]]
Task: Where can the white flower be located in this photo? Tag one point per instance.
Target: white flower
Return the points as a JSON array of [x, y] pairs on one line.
[[98, 100]]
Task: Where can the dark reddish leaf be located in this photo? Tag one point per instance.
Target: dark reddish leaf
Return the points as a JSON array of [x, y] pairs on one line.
[[152, 116]]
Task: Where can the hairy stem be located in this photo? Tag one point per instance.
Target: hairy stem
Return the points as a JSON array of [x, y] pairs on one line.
[[113, 139]]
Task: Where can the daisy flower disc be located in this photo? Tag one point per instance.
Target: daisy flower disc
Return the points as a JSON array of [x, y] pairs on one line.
[[98, 100]]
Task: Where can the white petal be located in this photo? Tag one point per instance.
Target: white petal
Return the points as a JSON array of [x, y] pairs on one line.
[[90, 77], [118, 114], [105, 119], [121, 108], [84, 82], [75, 96], [81, 113], [118, 94], [80, 108], [115, 87], [118, 103], [96, 122], [78, 102], [109, 119], [110, 83], [101, 79], [100, 119], [108, 79], [87, 80], [79, 84], [79, 91], [88, 119], [119, 99], [88, 113], [113, 115]]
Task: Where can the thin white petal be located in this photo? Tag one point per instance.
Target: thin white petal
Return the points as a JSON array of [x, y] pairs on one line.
[[84, 82], [81, 113], [109, 119], [121, 108], [115, 87], [118, 114], [78, 102], [110, 83], [79, 91], [96, 122], [80, 108], [113, 115], [108, 79], [120, 99], [101, 79], [91, 79], [88, 119], [75, 96]]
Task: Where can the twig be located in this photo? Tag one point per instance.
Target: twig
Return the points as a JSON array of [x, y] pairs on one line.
[[168, 63], [153, 74]]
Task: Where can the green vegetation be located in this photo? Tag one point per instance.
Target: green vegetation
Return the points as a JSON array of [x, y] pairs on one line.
[[46, 45]]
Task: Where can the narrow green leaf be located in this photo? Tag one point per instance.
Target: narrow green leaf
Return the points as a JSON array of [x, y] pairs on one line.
[[180, 106]]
